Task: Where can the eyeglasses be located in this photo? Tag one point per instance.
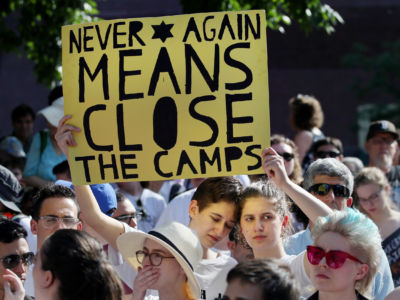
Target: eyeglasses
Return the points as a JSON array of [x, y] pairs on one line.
[[325, 154], [371, 198], [334, 258], [50, 222], [287, 156], [127, 218], [155, 258], [322, 189], [11, 261]]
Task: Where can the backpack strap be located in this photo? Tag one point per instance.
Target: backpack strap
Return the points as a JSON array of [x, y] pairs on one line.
[[43, 141]]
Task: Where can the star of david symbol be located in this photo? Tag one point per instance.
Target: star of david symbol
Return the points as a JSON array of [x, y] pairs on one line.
[[162, 31]]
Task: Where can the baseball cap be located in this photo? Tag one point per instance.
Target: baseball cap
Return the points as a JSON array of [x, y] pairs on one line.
[[12, 146], [382, 126], [104, 194]]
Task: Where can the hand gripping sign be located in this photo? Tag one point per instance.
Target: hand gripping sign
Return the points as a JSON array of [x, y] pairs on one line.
[[168, 97]]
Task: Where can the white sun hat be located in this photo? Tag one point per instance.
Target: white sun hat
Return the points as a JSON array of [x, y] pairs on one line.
[[54, 112], [177, 238]]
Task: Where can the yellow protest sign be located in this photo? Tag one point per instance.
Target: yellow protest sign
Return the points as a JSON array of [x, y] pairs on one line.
[[169, 97]]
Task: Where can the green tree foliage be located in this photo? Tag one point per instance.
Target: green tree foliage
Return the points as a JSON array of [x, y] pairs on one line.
[[383, 67], [33, 27], [309, 14]]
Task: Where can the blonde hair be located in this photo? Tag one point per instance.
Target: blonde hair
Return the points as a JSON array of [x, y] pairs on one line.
[[362, 235], [187, 292]]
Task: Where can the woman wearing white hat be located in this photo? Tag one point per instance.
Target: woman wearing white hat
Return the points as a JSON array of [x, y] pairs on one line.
[[44, 152], [165, 259]]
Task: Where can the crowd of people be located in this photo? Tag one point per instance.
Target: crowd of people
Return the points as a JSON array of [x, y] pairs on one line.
[[316, 224]]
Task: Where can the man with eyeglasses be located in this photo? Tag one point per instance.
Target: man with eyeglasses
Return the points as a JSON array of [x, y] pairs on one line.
[[14, 254], [54, 208], [381, 147], [125, 211], [331, 181]]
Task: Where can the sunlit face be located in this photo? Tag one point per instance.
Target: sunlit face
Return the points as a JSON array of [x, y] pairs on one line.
[[54, 206], [371, 198], [285, 148], [213, 223], [170, 272], [19, 246], [381, 149], [238, 290], [334, 202], [326, 279], [261, 224], [125, 209]]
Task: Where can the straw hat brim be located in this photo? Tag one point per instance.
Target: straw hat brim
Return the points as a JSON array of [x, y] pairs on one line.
[[130, 242]]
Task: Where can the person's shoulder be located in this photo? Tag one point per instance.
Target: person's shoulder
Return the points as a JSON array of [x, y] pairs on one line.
[[296, 243], [149, 194], [183, 197]]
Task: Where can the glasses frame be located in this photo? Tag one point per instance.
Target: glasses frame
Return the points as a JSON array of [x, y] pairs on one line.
[[331, 257], [128, 217], [335, 187], [26, 258], [59, 219], [151, 257], [371, 199]]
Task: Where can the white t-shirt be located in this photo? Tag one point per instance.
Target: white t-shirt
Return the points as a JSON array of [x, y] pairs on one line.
[[153, 205], [211, 275], [296, 265], [178, 209]]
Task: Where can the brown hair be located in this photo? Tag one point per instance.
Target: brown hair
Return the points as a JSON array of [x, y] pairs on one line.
[[218, 189], [306, 112]]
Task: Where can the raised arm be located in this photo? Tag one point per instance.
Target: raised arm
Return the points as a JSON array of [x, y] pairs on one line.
[[104, 225], [275, 170]]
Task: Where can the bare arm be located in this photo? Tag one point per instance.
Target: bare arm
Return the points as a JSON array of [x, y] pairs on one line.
[[110, 229], [275, 169], [303, 141]]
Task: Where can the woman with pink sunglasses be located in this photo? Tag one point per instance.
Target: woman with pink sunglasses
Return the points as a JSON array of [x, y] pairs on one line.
[[345, 256], [264, 221]]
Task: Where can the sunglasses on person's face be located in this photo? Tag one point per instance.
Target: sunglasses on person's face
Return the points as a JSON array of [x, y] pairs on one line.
[[322, 189], [334, 258], [287, 156], [325, 154], [11, 261]]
